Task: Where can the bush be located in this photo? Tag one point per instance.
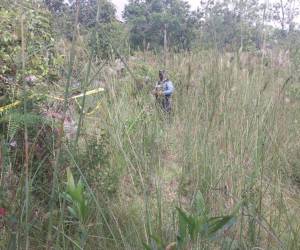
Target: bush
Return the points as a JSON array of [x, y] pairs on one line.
[[41, 59], [95, 161]]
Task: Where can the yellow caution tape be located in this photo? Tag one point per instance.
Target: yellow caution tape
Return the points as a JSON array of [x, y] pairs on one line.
[[10, 106], [17, 103], [95, 109], [90, 92], [55, 97], [78, 104], [13, 105]]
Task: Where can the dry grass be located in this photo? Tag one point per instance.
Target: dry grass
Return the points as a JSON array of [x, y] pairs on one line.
[[233, 136]]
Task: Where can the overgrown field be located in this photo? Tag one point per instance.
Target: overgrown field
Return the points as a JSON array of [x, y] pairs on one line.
[[230, 149], [88, 160]]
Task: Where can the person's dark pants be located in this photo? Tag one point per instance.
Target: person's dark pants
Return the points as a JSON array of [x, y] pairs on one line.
[[167, 104]]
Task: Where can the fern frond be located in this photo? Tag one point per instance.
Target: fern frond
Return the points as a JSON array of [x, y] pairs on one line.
[[16, 121]]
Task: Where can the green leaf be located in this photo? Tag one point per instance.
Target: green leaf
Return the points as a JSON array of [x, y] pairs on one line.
[[72, 212], [83, 209], [66, 196], [192, 227], [183, 224], [219, 223], [76, 194], [70, 180], [200, 204]]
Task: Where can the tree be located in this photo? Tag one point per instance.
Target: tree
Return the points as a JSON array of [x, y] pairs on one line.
[[110, 40], [107, 34], [56, 6], [88, 12], [231, 25], [41, 56], [150, 20], [63, 13], [285, 12]]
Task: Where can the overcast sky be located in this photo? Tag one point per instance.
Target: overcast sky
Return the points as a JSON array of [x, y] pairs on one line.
[[121, 3], [194, 4]]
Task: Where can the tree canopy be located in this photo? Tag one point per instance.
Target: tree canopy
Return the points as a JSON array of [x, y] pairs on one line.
[[149, 19]]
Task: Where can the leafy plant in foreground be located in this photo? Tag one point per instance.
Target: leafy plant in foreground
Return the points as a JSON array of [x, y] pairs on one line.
[[78, 207], [75, 196], [192, 227]]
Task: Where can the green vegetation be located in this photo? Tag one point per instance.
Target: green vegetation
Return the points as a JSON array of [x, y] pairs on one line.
[[109, 170]]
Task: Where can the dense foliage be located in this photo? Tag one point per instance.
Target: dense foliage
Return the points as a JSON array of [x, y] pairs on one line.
[[88, 160], [228, 26], [39, 36], [149, 20]]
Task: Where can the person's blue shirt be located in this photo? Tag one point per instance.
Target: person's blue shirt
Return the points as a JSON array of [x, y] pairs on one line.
[[168, 88]]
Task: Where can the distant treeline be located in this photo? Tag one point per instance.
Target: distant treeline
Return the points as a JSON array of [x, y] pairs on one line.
[[156, 24]]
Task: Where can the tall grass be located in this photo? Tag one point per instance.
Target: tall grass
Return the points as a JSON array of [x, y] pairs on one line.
[[231, 136], [227, 139]]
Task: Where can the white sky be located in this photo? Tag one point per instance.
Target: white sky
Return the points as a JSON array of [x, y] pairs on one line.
[[121, 3], [194, 4]]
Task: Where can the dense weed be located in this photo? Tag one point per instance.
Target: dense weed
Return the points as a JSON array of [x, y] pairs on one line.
[[221, 172]]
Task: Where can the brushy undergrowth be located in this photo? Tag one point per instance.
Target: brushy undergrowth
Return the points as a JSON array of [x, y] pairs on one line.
[[110, 170], [232, 137]]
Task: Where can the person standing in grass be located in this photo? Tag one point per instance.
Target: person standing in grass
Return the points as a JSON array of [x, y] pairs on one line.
[[163, 92]]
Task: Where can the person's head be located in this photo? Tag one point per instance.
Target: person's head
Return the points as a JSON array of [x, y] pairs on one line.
[[161, 75]]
